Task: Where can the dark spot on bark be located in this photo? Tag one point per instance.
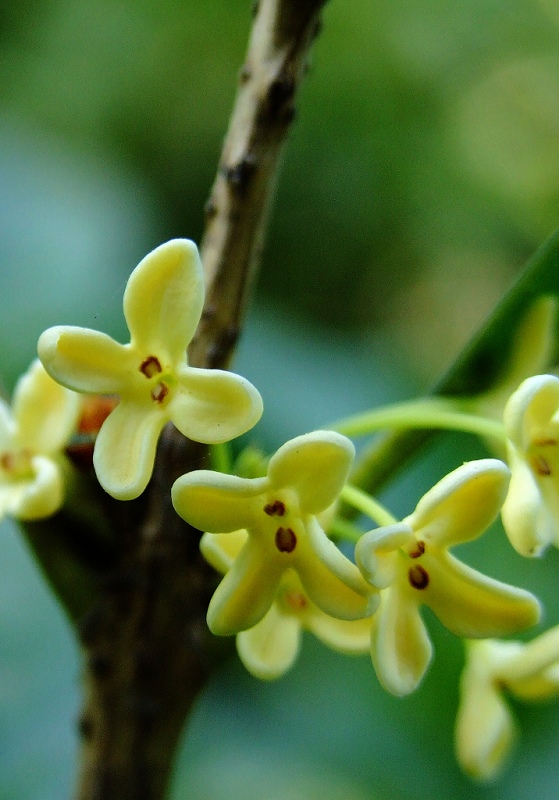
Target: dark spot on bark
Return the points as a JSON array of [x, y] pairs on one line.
[[85, 727], [210, 210], [240, 174], [100, 665]]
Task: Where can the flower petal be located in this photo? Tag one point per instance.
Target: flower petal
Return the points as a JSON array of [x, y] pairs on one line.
[[472, 605], [530, 409], [218, 503], [213, 405], [316, 465], [376, 556], [164, 298], [7, 426], [246, 592], [461, 505], [400, 647], [221, 549], [330, 579], [125, 449], [485, 730], [37, 497], [86, 360], [45, 412], [352, 637], [269, 649], [530, 524]]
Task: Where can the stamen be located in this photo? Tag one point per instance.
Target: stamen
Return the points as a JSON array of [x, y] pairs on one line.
[[277, 508], [159, 392], [546, 441], [286, 540], [418, 550], [540, 466], [151, 366], [418, 577], [296, 600]]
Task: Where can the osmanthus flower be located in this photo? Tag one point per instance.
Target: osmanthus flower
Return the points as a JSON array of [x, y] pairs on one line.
[[409, 561], [33, 433], [279, 512], [531, 510], [269, 649], [163, 303], [485, 727]]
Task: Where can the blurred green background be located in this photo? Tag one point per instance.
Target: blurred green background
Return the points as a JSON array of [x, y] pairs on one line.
[[423, 168]]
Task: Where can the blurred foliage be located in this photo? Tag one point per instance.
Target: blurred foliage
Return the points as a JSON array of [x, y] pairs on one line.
[[423, 168]]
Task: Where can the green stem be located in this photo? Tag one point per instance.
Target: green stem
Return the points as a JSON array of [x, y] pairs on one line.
[[367, 505], [342, 529], [426, 412]]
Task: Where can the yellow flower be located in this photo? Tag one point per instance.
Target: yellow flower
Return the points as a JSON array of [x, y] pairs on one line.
[[531, 510], [32, 435], [163, 302], [410, 562], [485, 727], [279, 511], [269, 649]]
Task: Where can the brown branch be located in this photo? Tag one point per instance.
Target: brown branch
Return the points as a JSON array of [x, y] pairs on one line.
[[146, 646]]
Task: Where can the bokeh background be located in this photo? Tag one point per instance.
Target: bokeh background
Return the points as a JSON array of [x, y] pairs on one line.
[[422, 170]]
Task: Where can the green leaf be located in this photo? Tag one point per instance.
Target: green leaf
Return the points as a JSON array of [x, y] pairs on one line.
[[476, 369]]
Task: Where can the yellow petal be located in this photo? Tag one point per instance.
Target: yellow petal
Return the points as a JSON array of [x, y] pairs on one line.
[[163, 299], [400, 647], [213, 405], [218, 503], [376, 556], [86, 360], [7, 426], [530, 410], [125, 449], [316, 465], [352, 637], [269, 649], [45, 412], [246, 592], [472, 605], [461, 505], [485, 730], [221, 549], [36, 498], [530, 523], [330, 579]]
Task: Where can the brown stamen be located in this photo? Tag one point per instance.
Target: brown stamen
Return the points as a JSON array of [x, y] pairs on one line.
[[545, 441], [277, 508], [540, 466], [159, 392], [418, 577], [296, 600], [418, 551], [285, 540], [150, 367]]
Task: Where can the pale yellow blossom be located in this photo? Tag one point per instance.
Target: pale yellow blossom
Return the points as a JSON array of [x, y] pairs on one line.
[[279, 511], [33, 433], [163, 302], [409, 561]]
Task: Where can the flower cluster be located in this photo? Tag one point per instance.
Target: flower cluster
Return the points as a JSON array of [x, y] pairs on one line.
[[269, 535]]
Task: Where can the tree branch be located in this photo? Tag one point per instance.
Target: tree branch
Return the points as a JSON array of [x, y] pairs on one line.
[[146, 645]]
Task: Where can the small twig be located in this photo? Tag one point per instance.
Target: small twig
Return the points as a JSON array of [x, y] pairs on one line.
[[147, 648]]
